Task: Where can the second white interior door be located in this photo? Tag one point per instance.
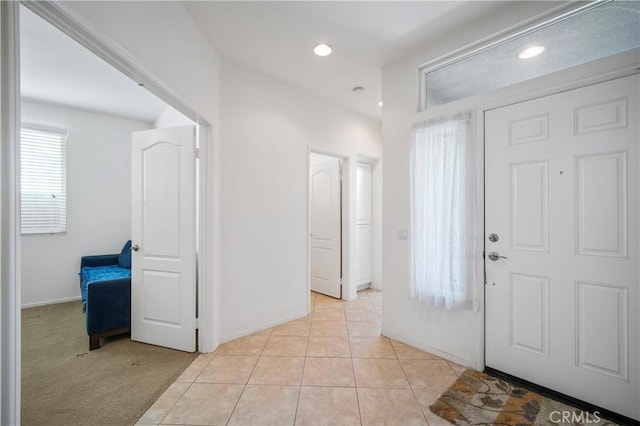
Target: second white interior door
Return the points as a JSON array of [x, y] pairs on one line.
[[325, 217], [363, 225], [163, 280]]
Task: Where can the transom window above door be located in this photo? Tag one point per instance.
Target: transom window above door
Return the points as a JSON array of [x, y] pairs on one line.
[[592, 32]]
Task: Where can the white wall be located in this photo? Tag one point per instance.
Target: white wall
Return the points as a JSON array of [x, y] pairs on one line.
[[171, 118], [376, 217], [98, 200], [456, 335], [268, 129], [319, 158], [163, 38]]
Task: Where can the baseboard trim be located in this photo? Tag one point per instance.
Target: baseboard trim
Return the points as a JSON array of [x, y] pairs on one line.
[[364, 286], [247, 332], [51, 302], [416, 344], [565, 399]]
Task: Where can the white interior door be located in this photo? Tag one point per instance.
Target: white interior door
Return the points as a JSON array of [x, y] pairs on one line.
[[562, 199], [363, 224], [325, 217], [163, 285]]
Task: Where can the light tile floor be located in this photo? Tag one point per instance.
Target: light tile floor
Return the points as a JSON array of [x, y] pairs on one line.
[[330, 368]]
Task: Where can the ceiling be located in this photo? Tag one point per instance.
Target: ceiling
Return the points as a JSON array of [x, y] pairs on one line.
[[54, 68], [277, 38], [273, 37]]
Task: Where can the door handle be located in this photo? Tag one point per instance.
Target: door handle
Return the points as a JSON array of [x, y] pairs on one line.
[[135, 247], [495, 256]]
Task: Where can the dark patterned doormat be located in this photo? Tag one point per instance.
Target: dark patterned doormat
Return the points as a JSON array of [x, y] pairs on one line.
[[479, 399]]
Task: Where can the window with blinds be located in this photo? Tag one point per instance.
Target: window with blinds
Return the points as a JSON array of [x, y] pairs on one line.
[[43, 180]]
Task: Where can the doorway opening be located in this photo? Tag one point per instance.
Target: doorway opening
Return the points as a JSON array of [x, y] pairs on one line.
[[55, 15], [345, 207]]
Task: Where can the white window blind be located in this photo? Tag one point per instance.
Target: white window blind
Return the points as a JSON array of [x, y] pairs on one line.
[[43, 180]]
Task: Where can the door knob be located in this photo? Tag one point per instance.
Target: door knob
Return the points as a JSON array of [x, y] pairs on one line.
[[135, 247], [495, 256]]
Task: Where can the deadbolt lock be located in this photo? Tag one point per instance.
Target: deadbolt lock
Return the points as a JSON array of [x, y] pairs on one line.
[[493, 237]]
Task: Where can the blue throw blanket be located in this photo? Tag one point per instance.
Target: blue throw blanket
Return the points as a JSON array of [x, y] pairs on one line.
[[100, 273]]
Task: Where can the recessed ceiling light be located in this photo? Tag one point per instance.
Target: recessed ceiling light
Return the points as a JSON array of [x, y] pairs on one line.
[[380, 103], [531, 52], [322, 49]]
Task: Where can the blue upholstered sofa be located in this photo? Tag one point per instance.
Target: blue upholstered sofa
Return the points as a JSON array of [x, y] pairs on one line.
[[105, 285]]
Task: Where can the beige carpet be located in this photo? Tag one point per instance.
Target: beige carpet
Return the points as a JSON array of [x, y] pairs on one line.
[[65, 384]]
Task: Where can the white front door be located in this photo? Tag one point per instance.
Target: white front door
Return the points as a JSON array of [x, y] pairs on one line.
[[163, 279], [325, 217], [562, 200]]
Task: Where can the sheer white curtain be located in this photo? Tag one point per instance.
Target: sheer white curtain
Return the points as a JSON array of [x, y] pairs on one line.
[[443, 212]]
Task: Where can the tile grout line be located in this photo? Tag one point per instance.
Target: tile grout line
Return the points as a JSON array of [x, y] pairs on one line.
[[454, 371], [304, 366], [306, 352], [355, 383], [236, 404], [249, 378], [246, 383], [374, 309], [413, 392], [172, 405], [295, 414], [199, 374], [184, 392]]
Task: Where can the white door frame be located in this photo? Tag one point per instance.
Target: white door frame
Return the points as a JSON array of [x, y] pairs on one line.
[[593, 73], [74, 26], [349, 162], [10, 297], [619, 65]]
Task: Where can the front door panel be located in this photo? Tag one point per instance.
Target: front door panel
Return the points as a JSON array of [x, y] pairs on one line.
[[562, 197]]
